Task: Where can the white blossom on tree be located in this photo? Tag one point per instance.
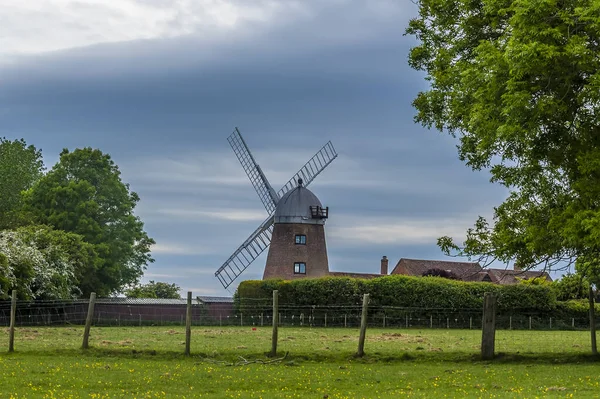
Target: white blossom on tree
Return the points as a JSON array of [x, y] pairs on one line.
[[36, 269]]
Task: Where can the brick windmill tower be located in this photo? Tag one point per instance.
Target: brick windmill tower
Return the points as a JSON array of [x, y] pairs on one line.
[[298, 247], [294, 228]]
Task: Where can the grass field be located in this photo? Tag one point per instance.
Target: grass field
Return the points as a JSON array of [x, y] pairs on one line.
[[148, 362]]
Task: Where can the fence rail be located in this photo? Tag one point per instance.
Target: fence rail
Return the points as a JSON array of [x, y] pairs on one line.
[[40, 313], [352, 316]]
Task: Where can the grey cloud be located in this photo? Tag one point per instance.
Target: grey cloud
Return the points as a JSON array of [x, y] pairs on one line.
[[163, 109]]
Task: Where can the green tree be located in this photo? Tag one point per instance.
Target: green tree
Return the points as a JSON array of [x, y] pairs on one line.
[[20, 167], [155, 290], [518, 83], [571, 286], [83, 194]]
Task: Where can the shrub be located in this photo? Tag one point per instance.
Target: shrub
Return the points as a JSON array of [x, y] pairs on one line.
[[396, 291]]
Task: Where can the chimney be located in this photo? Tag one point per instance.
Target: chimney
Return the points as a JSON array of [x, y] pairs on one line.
[[384, 265], [517, 267]]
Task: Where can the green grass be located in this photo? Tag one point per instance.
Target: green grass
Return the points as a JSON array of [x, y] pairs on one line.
[[148, 362]]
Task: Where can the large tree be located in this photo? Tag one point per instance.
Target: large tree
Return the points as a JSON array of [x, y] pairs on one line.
[[20, 167], [518, 83], [83, 194]]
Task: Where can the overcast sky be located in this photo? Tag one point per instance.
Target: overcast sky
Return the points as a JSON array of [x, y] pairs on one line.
[[160, 84]]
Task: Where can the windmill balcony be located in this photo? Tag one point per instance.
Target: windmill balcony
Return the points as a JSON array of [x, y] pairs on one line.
[[318, 212]]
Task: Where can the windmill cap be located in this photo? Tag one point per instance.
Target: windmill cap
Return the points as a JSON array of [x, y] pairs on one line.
[[294, 206]]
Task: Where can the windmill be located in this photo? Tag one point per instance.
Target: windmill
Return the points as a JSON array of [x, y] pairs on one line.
[[260, 239]]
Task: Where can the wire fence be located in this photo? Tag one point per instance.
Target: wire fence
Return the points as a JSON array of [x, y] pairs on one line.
[[519, 332], [47, 313]]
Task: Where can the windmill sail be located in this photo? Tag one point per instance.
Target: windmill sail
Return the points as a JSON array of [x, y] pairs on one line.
[[264, 190], [260, 239], [312, 168], [246, 253]]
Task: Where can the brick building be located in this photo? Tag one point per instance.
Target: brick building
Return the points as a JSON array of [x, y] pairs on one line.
[[298, 248], [466, 271]]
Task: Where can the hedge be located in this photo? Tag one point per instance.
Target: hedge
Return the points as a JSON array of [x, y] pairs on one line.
[[575, 308], [396, 291]]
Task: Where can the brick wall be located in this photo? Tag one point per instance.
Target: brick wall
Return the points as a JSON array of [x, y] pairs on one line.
[[284, 251]]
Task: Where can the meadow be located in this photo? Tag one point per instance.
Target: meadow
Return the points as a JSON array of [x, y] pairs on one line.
[[148, 362]]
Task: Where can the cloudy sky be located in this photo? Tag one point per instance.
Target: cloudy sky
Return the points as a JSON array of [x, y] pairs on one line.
[[160, 84]]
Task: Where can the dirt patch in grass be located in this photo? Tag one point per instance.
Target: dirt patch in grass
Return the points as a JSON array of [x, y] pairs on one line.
[[418, 339]]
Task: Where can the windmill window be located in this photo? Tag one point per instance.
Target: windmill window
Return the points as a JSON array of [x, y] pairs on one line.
[[299, 268], [300, 239]]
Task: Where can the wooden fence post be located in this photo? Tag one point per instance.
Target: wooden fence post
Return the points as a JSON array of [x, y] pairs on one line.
[[593, 322], [275, 323], [88, 321], [363, 326], [488, 338], [13, 317], [188, 324]]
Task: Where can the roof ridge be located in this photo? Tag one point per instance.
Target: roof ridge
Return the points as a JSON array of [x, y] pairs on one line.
[[437, 260]]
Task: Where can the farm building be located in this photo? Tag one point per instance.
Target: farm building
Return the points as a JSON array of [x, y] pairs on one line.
[[465, 271]]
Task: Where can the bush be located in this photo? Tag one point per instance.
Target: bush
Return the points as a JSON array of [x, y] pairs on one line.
[[575, 308], [395, 291]]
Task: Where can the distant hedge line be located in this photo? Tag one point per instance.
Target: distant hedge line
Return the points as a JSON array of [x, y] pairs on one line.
[[401, 291]]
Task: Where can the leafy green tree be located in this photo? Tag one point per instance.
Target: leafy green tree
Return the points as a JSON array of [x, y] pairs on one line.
[[20, 167], [83, 194], [155, 290], [518, 83], [571, 286], [58, 245]]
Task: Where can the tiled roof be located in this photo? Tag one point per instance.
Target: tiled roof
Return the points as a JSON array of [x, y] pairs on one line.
[[508, 276], [354, 275], [482, 276], [160, 301], [416, 267], [142, 301], [215, 299]]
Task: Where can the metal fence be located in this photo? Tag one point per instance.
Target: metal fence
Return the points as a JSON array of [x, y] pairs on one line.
[[46, 313], [425, 329]]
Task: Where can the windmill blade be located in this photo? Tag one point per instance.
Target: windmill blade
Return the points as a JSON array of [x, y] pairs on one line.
[[312, 168], [246, 253], [265, 192]]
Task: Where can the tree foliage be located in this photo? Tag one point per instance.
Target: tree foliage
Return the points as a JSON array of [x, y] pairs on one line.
[[518, 83], [571, 286], [83, 194], [41, 263], [20, 167], [155, 290]]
